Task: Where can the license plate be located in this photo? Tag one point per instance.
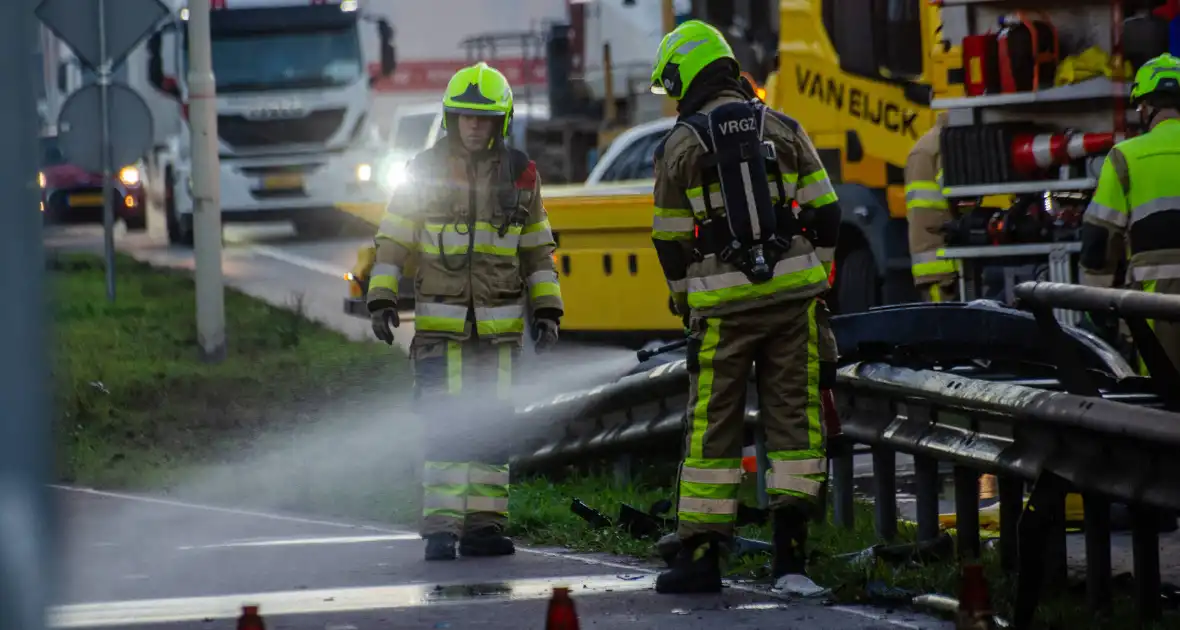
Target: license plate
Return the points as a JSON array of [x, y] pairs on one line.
[[84, 200], [282, 182]]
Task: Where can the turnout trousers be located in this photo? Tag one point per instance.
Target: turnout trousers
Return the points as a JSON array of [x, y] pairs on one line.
[[461, 391], [1167, 332], [782, 345]]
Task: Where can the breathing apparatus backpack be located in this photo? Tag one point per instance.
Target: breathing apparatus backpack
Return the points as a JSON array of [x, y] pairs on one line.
[[751, 230]]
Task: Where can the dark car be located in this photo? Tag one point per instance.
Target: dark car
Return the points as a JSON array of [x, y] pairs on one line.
[[71, 194]]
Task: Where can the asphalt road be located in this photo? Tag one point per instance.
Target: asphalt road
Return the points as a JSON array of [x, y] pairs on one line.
[[140, 562]]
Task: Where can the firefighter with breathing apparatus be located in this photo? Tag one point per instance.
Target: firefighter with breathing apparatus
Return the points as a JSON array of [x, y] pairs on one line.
[[470, 213], [745, 275], [1136, 207]]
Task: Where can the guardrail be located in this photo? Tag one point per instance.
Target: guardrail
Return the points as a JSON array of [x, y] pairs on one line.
[[985, 388]]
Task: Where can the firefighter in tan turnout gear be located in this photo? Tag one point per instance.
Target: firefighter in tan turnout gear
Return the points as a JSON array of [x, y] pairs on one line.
[[470, 213], [744, 273], [927, 211]]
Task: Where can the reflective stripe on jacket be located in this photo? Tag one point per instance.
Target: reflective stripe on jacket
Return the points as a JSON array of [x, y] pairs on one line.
[[474, 264]]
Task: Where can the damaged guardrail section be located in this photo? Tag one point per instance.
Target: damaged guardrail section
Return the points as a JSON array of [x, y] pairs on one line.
[[1057, 408]]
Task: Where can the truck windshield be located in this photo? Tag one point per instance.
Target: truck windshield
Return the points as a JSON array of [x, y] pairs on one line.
[[267, 61], [51, 154], [412, 131]]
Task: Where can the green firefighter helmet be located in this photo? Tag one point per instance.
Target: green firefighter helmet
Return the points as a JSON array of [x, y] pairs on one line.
[[1158, 77], [682, 55], [479, 90]]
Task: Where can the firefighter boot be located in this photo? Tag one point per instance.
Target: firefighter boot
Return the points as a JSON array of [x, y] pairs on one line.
[[440, 546], [489, 541], [696, 568], [789, 541]]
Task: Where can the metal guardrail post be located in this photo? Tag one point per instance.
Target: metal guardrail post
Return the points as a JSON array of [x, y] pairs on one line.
[[885, 491], [1098, 563], [622, 469], [1145, 545], [926, 477], [1011, 505], [843, 501], [967, 512]]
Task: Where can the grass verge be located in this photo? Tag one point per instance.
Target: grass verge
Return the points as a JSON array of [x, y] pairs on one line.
[[541, 514], [135, 404]]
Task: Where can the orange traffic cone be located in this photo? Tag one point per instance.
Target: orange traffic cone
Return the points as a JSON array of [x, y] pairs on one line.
[[250, 619], [975, 608], [562, 615]]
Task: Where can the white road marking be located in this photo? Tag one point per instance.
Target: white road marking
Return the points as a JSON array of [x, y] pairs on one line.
[[876, 616], [330, 540], [223, 510], [304, 262], [303, 602]]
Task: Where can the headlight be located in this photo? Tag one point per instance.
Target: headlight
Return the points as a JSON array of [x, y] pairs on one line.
[[129, 176], [364, 172], [41, 179], [395, 175]]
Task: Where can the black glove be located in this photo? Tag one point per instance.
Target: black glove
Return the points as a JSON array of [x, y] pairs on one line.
[[384, 319], [544, 332]]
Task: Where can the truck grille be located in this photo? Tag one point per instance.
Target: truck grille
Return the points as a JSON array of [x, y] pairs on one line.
[[316, 127]]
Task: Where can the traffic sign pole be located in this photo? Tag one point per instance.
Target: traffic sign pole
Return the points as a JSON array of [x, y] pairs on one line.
[[104, 143], [102, 34], [206, 185], [27, 569]]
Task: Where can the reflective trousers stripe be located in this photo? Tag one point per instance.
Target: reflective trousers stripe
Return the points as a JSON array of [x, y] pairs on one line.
[[460, 488], [929, 264], [708, 490], [805, 477], [710, 507], [454, 367], [504, 375]]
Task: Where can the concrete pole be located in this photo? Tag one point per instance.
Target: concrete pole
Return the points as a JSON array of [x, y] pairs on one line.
[[206, 186], [27, 567]]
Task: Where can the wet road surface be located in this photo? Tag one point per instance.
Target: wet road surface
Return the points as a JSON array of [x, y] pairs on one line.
[[140, 562]]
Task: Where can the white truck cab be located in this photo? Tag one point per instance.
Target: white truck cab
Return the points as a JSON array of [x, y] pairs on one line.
[[293, 94]]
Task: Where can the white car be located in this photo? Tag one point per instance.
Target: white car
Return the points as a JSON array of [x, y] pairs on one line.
[[631, 156], [416, 127]]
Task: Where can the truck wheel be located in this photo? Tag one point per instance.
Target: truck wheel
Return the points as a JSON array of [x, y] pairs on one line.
[[136, 224], [857, 282], [180, 229], [318, 227]]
